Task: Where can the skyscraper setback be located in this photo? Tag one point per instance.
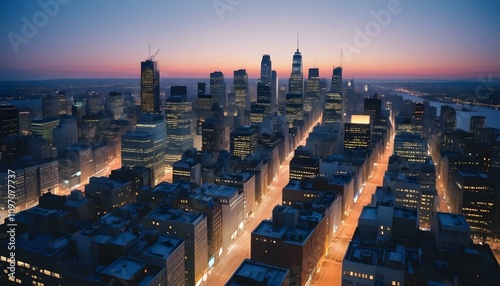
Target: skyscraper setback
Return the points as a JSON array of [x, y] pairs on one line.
[[150, 87]]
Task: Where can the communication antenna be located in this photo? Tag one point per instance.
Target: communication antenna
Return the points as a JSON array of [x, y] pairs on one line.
[[341, 64], [297, 42]]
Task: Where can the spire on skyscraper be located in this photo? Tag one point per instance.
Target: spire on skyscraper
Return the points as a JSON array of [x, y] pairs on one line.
[[297, 42]]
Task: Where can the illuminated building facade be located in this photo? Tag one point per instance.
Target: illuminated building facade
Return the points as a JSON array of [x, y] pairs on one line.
[[357, 133], [244, 141], [179, 116], [150, 87], [241, 95]]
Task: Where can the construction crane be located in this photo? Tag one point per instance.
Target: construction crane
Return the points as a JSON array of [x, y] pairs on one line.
[[151, 57]]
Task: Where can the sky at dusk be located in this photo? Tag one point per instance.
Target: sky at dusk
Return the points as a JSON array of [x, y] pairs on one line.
[[380, 39]]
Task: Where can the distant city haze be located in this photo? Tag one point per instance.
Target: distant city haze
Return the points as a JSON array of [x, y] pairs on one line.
[[383, 39]]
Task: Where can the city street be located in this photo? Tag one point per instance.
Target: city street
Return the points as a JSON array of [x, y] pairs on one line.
[[240, 249], [330, 272]]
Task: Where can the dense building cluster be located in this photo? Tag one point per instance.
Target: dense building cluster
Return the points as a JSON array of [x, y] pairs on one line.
[[154, 189]]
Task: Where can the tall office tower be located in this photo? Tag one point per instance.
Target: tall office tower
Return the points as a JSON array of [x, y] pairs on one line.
[[334, 102], [373, 107], [65, 133], [179, 115], [296, 82], [264, 100], [311, 100], [294, 108], [204, 104], [25, 117], [202, 88], [417, 119], [274, 91], [115, 104], [9, 123], [154, 125], [241, 95], [337, 80], [150, 87], [476, 124], [349, 98], [448, 118], [212, 135], [137, 151], [244, 141], [358, 133], [50, 105], [93, 103], [64, 103], [266, 69], [218, 88]]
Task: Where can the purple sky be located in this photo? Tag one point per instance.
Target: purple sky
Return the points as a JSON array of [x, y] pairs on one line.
[[380, 39]]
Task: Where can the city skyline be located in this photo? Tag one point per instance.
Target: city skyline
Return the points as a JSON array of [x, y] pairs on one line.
[[378, 40]]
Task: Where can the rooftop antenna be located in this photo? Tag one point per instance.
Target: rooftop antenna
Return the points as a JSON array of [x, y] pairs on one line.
[[341, 64], [297, 42]]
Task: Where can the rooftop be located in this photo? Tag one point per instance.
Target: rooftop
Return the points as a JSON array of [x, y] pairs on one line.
[[162, 247], [297, 235], [124, 268], [170, 214], [254, 273], [218, 191], [453, 220]]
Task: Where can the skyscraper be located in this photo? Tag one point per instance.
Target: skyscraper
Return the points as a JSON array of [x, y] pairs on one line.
[[373, 107], [476, 124], [218, 88], [244, 141], [241, 89], [65, 133], [115, 104], [266, 69], [154, 125], [311, 100], [9, 120], [51, 105], [178, 115], [212, 132], [334, 102], [295, 96], [296, 82], [274, 91], [150, 87]]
